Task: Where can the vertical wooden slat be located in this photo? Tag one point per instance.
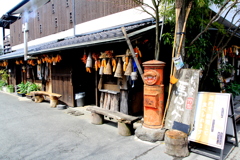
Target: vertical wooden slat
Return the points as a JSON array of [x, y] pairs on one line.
[[124, 103], [85, 11], [102, 100]]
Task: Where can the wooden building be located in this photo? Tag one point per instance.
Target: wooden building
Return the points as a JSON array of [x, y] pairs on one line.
[[72, 29]]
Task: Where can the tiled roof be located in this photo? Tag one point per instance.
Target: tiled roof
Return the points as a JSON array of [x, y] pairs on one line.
[[88, 39], [91, 37]]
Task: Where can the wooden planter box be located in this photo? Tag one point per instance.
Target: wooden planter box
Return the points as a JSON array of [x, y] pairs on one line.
[[10, 90]]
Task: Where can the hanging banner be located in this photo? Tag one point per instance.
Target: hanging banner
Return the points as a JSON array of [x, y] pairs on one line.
[[181, 110], [211, 119]]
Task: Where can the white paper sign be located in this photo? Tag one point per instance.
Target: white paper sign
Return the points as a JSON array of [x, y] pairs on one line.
[[211, 119]]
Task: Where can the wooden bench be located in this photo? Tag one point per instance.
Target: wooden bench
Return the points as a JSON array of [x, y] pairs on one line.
[[39, 97], [125, 122]]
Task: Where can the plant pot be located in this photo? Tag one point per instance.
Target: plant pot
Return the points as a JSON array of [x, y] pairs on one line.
[[4, 89], [21, 94], [29, 96], [10, 90]]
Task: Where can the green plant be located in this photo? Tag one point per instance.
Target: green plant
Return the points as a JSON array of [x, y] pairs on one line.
[[233, 88], [27, 87], [33, 87], [2, 83], [22, 87], [10, 86], [4, 74]]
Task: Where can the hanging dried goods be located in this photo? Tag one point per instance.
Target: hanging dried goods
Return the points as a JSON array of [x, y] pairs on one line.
[[39, 61], [58, 58], [95, 56], [17, 62], [84, 58], [88, 70], [114, 64], [137, 50]]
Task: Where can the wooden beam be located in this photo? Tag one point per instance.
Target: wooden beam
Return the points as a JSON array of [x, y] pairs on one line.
[[132, 52]]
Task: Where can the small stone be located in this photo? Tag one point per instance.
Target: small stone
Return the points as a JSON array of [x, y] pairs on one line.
[[71, 111], [78, 113]]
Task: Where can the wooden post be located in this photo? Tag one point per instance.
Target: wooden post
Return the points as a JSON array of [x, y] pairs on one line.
[[176, 143], [115, 103], [124, 103], [96, 88], [53, 101], [105, 100], [108, 101], [125, 129], [132, 52], [102, 100]]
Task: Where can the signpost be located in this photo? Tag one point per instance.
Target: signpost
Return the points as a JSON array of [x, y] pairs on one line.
[[180, 114], [214, 114]]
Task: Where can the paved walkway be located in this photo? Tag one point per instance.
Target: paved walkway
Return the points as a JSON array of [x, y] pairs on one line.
[[35, 131]]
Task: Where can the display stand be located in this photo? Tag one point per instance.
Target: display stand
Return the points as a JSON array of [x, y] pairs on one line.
[[219, 122]]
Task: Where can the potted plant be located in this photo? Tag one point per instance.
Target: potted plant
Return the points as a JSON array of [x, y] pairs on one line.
[[2, 84], [10, 88], [4, 78], [22, 88], [32, 87], [4, 75]]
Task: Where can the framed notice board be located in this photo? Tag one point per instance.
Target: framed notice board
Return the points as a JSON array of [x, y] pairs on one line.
[[214, 115]]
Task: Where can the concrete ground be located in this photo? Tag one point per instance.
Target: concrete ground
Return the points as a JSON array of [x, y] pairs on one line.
[[34, 131]]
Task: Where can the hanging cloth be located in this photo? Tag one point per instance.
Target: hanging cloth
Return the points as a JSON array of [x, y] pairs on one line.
[[39, 75]]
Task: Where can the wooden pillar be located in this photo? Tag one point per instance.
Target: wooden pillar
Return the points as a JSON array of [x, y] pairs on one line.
[[53, 101]]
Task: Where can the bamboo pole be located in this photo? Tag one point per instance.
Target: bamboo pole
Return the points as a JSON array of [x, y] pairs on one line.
[[178, 10], [178, 53]]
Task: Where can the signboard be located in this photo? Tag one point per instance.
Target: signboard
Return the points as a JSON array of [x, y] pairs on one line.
[[180, 113], [211, 119]]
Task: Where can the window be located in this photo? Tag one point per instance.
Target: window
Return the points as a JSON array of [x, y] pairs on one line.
[[71, 20], [38, 16], [56, 24], [53, 11], [67, 4], [40, 28]]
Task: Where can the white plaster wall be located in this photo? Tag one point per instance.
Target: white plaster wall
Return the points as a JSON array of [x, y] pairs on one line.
[[230, 15]]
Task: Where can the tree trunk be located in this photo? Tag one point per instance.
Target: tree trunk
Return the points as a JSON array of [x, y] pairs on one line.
[[176, 143]]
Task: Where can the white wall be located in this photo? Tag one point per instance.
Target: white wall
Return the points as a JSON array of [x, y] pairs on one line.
[[229, 16]]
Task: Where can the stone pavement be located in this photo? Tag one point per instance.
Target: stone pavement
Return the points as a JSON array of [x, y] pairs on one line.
[[112, 145]]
